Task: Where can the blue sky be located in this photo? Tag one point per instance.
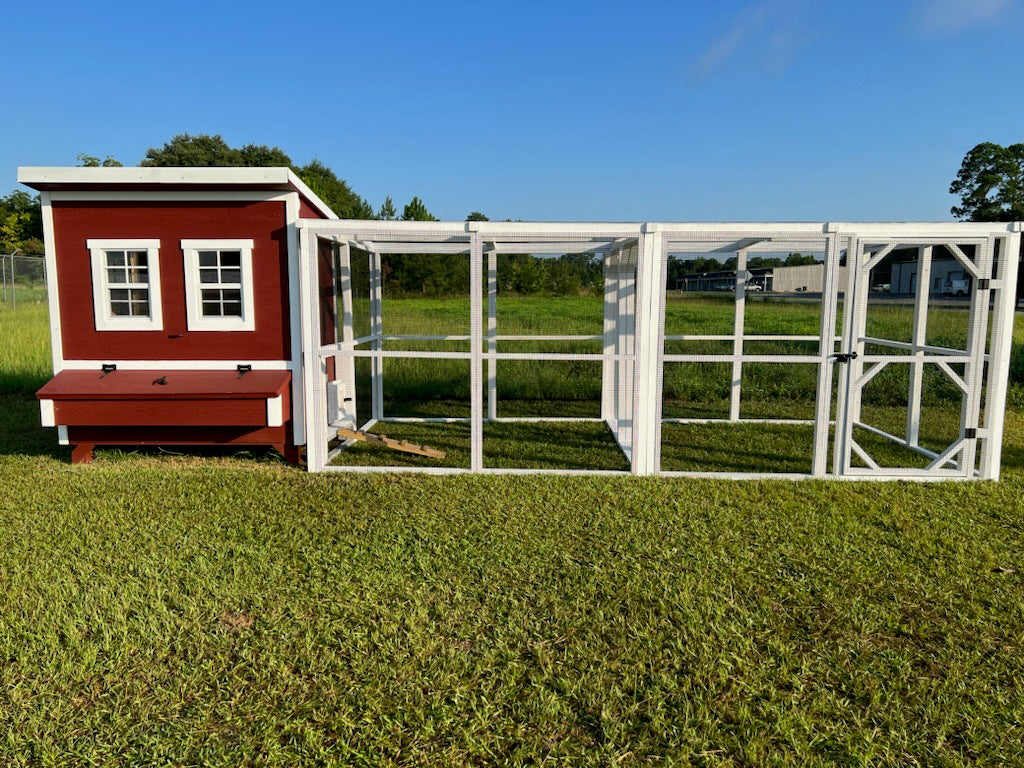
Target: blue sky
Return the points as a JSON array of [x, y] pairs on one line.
[[658, 111]]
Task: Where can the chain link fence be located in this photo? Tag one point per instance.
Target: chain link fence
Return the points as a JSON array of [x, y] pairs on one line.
[[23, 277]]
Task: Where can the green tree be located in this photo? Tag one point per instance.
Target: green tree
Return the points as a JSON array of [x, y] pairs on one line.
[[799, 259], [387, 210], [21, 223], [415, 210], [334, 191], [476, 216], [91, 161], [262, 156], [990, 184], [188, 150]]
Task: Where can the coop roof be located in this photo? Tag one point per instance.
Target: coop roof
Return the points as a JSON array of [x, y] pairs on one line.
[[164, 178]]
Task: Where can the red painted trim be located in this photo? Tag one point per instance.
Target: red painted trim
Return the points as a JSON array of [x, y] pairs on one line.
[[165, 385]]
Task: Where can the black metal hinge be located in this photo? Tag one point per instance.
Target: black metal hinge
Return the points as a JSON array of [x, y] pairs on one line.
[[970, 433], [843, 357], [108, 368], [983, 284], [243, 369]]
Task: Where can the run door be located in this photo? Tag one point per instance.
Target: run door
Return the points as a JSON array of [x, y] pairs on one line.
[[912, 362]]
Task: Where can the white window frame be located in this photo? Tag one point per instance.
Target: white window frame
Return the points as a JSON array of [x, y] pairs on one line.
[[193, 288], [105, 320]]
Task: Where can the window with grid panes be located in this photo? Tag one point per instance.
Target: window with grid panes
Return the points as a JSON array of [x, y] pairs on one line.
[[126, 284]]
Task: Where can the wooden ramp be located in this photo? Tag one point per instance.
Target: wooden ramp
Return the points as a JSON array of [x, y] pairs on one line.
[[395, 445]]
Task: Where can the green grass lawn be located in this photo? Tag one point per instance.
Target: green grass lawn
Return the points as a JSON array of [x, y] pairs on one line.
[[163, 609]]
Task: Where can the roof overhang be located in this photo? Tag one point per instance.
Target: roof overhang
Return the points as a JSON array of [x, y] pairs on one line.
[[50, 179]]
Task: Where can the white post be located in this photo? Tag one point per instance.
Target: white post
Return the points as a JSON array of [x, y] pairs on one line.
[[999, 359], [826, 348], [347, 372], [845, 415], [492, 332], [920, 336], [476, 388], [970, 412], [314, 369], [609, 378], [377, 331], [650, 294], [737, 341]]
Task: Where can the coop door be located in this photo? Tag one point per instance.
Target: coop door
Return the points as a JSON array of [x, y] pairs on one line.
[[912, 359]]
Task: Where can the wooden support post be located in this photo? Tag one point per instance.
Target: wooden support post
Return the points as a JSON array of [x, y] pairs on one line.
[[81, 453]]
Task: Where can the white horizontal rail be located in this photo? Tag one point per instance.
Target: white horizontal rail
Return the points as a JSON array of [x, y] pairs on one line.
[[746, 337], [737, 421], [727, 357]]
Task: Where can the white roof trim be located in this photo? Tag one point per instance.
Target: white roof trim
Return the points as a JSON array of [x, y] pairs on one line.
[[200, 176]]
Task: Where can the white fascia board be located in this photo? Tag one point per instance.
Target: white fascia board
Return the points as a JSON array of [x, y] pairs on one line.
[[47, 176], [153, 175], [311, 196]]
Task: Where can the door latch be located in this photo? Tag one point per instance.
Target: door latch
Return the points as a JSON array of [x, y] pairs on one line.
[[845, 357]]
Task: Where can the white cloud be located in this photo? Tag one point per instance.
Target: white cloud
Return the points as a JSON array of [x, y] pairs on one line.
[[955, 15], [766, 29]]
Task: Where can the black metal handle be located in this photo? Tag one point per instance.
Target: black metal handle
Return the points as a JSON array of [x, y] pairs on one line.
[[844, 357]]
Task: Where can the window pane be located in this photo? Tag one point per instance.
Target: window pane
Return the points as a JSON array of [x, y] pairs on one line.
[[211, 295], [207, 258], [137, 258], [116, 276], [232, 295], [115, 258], [208, 275], [119, 294], [231, 276], [233, 308], [140, 294], [140, 308], [138, 275], [211, 309], [230, 258], [119, 308]]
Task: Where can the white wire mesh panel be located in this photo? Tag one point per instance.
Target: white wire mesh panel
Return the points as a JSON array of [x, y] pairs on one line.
[[743, 352], [559, 320]]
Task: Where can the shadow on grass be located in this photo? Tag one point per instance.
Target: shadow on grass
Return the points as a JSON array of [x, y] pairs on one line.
[[21, 435]]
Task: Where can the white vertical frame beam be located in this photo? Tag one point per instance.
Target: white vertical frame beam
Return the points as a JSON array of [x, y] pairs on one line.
[[492, 332], [294, 246], [737, 341], [609, 377], [650, 293], [346, 368], [626, 320], [974, 368], [377, 331], [314, 369], [852, 330], [826, 348], [52, 283], [476, 378], [999, 355], [918, 340]]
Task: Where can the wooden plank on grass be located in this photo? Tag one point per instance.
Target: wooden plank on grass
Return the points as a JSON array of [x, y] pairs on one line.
[[395, 445]]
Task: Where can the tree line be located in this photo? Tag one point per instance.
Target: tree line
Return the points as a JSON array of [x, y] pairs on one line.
[[989, 184]]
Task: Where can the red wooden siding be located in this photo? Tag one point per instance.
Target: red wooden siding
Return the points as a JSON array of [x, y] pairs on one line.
[[263, 222]]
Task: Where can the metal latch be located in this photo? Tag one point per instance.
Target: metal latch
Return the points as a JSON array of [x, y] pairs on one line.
[[243, 369], [845, 357], [108, 368], [970, 433]]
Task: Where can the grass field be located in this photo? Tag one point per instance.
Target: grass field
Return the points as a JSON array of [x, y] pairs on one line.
[[229, 610]]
